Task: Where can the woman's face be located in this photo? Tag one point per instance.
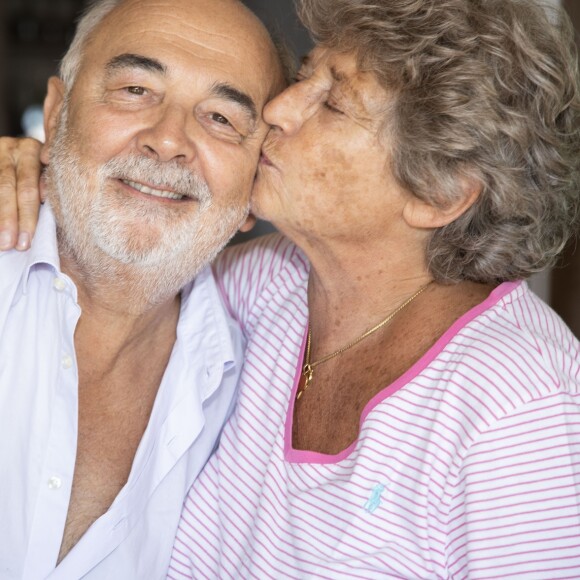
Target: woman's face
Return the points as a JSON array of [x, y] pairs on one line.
[[324, 172]]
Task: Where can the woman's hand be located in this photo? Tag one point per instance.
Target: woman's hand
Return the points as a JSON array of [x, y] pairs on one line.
[[20, 193]]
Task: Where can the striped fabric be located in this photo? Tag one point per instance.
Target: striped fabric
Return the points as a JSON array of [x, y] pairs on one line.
[[468, 466]]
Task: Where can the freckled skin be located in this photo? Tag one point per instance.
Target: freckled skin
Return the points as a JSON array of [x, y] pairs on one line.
[[335, 164], [331, 191], [327, 417]]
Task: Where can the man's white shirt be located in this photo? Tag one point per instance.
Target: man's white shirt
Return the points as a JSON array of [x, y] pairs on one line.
[[39, 421]]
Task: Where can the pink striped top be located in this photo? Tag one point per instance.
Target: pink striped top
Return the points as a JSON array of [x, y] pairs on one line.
[[467, 466]]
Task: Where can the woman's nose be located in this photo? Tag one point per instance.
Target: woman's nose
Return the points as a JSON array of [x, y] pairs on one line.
[[289, 109]]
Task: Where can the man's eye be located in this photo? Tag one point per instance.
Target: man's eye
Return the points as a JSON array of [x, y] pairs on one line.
[[136, 90], [220, 119]]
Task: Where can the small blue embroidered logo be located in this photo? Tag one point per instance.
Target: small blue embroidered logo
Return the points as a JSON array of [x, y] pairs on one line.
[[374, 501]]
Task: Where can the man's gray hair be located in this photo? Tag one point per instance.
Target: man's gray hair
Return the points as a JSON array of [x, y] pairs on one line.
[[94, 14]]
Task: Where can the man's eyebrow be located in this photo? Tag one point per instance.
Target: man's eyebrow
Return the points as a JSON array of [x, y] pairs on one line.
[[129, 60], [232, 94]]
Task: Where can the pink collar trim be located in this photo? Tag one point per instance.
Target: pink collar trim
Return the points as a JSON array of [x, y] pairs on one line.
[[300, 456]]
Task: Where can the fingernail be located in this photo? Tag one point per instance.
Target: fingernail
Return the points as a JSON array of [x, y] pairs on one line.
[[5, 240], [23, 241]]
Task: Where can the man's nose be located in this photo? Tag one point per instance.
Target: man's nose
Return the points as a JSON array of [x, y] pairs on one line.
[[167, 137]]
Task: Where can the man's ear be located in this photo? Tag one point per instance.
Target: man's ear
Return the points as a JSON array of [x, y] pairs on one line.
[[55, 95], [420, 214], [249, 223]]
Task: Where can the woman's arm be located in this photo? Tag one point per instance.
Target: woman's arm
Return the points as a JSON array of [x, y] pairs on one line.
[[20, 193]]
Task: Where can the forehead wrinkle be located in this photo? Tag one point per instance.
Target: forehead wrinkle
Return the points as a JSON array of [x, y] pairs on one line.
[[228, 38], [204, 32], [260, 41], [186, 29], [210, 52]]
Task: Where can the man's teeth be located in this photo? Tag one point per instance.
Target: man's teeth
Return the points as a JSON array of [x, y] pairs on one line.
[[150, 191]]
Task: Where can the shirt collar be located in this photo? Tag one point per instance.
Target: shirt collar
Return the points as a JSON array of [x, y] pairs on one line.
[[220, 334], [205, 325], [44, 248]]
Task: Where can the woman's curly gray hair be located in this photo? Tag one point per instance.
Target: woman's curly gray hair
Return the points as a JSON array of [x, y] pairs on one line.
[[486, 90]]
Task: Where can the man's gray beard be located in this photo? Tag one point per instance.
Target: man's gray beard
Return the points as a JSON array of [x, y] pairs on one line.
[[155, 249]]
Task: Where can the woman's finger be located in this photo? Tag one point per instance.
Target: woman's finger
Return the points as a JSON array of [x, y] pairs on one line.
[[27, 188], [8, 199], [19, 191]]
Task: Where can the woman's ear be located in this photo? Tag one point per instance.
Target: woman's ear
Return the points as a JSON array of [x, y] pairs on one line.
[[53, 102], [420, 214], [249, 223]]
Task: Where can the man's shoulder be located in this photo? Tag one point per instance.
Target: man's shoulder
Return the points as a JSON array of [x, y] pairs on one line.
[[12, 267], [18, 268]]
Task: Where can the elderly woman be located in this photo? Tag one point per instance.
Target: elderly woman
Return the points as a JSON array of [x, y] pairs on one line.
[[408, 408]]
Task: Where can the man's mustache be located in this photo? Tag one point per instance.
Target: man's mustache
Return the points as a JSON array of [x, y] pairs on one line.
[[169, 175]]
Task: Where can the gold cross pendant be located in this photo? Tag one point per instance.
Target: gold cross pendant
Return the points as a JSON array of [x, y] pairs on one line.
[[307, 373]]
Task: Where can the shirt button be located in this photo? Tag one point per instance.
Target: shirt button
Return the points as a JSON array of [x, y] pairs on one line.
[[59, 284], [67, 362], [54, 482]]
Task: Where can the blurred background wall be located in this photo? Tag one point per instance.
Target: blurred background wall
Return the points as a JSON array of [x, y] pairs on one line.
[[35, 33]]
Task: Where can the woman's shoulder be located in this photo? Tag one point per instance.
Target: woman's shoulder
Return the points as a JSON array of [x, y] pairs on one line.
[[515, 348], [269, 265], [270, 254], [507, 361], [521, 321]]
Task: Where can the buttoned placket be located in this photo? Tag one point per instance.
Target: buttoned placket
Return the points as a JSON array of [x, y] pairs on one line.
[[201, 355], [58, 470]]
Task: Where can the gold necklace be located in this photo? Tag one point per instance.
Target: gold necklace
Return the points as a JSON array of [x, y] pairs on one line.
[[308, 369]]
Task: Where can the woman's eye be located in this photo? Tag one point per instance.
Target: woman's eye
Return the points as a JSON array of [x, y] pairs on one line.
[[218, 118], [139, 91], [332, 108]]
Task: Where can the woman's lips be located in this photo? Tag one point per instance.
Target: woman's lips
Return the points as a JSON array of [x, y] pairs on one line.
[[264, 159]]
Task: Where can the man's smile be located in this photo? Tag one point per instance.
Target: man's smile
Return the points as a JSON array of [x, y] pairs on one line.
[[155, 191]]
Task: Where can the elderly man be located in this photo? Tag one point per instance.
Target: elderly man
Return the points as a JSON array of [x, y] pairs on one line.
[[153, 135]]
